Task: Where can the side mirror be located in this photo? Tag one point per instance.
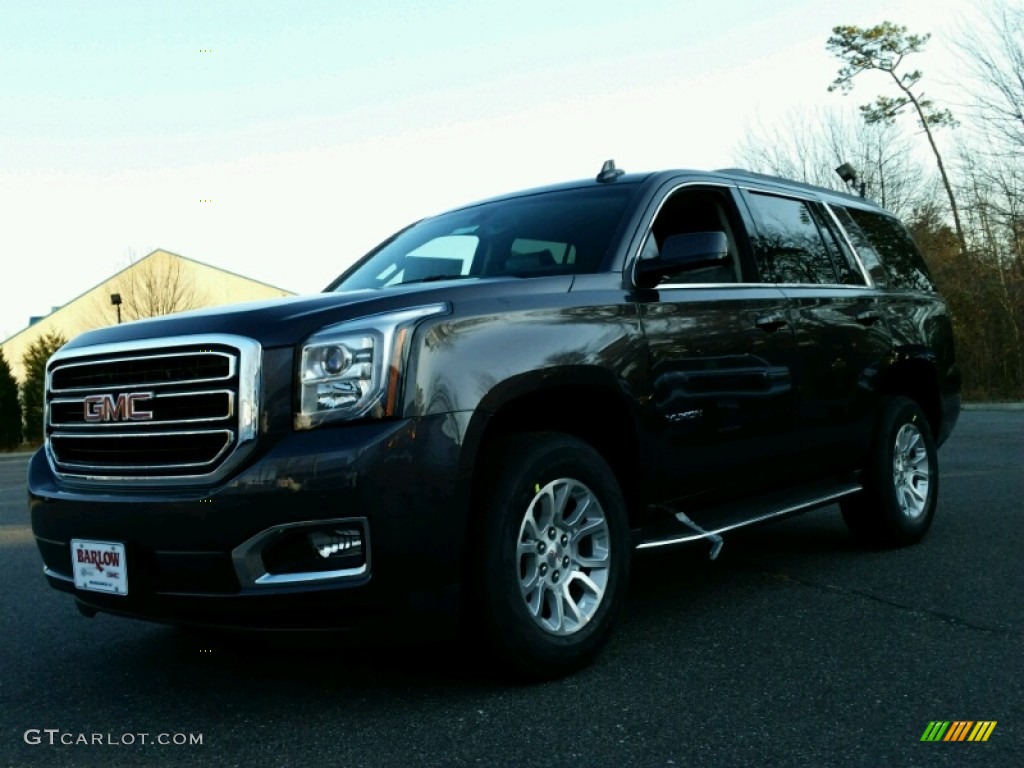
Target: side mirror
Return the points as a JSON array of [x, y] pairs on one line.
[[692, 250]]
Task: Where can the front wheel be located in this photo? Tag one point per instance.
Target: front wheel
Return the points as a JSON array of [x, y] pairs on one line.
[[554, 554], [901, 480]]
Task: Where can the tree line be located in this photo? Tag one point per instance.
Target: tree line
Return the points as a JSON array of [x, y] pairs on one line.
[[956, 178], [21, 408]]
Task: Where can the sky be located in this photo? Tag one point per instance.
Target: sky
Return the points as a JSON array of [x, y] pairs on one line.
[[281, 141]]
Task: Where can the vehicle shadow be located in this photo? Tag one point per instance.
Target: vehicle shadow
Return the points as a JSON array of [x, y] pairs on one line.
[[324, 659], [669, 588]]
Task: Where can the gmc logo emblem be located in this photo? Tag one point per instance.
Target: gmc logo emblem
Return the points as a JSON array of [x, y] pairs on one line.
[[126, 407]]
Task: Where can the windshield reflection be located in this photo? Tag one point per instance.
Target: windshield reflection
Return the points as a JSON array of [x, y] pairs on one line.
[[549, 233]]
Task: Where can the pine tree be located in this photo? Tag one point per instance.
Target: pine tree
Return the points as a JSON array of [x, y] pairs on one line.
[[34, 362], [882, 48], [10, 407]]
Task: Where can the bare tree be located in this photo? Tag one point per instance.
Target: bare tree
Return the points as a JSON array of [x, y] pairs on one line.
[[883, 48], [158, 284], [808, 146], [992, 164], [993, 174], [995, 58], [994, 217], [152, 287], [794, 148]]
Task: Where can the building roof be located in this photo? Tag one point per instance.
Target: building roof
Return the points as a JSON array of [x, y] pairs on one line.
[[210, 286]]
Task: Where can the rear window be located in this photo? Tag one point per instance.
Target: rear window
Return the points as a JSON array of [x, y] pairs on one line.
[[564, 232], [789, 244], [868, 255], [883, 240]]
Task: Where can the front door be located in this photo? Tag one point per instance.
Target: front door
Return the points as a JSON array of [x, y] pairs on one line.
[[721, 362]]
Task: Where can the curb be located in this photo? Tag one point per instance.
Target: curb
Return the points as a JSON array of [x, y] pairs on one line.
[[18, 455], [992, 407]]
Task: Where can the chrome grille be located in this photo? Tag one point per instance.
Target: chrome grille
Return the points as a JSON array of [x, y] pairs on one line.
[[179, 410], [166, 407], [169, 369]]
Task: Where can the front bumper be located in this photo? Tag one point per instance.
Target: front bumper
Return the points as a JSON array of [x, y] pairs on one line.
[[397, 479]]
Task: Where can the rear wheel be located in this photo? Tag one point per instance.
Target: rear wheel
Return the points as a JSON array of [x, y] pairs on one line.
[[554, 555], [901, 480]]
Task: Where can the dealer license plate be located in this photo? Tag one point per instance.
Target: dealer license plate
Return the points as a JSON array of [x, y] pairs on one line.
[[99, 566]]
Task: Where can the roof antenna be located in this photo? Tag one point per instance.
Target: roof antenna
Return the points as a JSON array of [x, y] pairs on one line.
[[609, 172]]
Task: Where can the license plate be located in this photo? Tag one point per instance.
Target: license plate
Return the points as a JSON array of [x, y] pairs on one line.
[[99, 566]]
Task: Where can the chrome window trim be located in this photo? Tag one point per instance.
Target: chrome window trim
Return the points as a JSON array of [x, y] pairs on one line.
[[792, 194], [869, 284], [869, 281], [832, 286], [247, 410], [657, 211], [665, 286]]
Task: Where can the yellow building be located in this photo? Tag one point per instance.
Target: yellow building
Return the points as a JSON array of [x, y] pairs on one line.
[[157, 284]]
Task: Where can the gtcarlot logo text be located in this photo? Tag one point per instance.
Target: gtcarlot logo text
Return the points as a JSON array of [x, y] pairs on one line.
[[55, 736]]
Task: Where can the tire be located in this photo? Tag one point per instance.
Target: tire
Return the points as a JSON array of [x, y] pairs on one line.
[[553, 557], [901, 480]]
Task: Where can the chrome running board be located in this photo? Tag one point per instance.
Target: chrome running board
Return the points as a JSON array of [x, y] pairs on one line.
[[686, 530]]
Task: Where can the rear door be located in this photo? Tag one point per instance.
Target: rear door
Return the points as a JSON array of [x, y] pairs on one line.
[[842, 340]]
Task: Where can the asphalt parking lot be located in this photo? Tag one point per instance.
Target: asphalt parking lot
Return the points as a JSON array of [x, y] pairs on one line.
[[794, 648]]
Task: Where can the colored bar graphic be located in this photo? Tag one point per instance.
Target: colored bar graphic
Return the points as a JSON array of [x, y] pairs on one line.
[[958, 730], [935, 731], [982, 730]]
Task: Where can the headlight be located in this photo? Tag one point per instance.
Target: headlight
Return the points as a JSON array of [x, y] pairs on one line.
[[354, 369]]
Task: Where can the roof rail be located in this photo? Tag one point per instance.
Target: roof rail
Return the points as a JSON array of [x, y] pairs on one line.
[[743, 172]]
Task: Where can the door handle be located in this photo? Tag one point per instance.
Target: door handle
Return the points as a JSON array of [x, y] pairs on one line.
[[770, 323], [868, 317]]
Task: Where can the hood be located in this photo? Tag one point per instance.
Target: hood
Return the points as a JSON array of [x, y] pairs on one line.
[[286, 321]]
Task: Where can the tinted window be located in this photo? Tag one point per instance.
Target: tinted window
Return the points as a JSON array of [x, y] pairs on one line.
[[893, 244], [549, 233], [842, 258], [528, 256], [867, 253], [789, 245], [451, 255], [690, 211]]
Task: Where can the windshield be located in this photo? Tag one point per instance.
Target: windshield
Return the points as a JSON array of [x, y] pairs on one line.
[[550, 233]]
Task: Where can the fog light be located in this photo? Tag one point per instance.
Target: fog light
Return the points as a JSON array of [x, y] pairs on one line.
[[338, 542]]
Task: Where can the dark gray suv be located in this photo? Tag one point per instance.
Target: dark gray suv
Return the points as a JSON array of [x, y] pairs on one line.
[[485, 416]]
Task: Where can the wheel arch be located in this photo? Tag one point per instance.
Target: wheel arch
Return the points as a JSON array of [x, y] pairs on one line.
[[913, 373], [582, 401]]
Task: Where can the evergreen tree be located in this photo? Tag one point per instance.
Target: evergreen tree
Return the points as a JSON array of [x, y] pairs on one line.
[[10, 407], [34, 362], [883, 48]]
